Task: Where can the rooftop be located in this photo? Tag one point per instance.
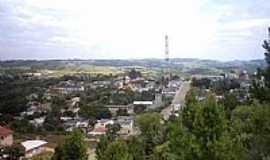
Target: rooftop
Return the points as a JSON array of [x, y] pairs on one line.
[[5, 131], [32, 144], [143, 102], [100, 129]]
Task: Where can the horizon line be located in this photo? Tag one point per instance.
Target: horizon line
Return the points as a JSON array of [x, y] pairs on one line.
[[120, 59]]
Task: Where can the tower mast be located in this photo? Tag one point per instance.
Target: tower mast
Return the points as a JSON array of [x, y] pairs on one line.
[[167, 59], [166, 49]]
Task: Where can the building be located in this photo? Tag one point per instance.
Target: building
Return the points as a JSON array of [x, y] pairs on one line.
[[68, 87], [6, 137], [114, 108], [103, 123], [243, 76], [127, 125], [143, 103], [35, 147], [101, 84], [38, 122], [100, 127], [125, 121], [98, 131]]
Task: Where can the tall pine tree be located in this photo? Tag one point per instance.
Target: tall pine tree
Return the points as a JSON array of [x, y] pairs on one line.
[[202, 132], [260, 89]]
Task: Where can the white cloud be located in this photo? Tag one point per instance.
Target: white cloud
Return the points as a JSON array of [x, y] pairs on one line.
[[136, 28], [247, 24]]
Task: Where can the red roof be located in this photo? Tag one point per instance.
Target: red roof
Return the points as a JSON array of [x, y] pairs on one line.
[[5, 131], [100, 129]]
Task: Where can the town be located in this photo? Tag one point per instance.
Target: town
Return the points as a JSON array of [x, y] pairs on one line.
[[134, 80], [99, 104]]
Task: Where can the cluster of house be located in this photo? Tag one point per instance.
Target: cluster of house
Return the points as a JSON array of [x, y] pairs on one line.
[[68, 87], [240, 77], [126, 124], [31, 147], [171, 88], [138, 84], [244, 81], [35, 147], [38, 110]]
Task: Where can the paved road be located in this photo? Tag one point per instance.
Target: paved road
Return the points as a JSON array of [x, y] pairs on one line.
[[180, 95], [178, 100]]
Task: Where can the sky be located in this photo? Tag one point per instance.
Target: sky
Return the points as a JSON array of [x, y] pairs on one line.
[[131, 29]]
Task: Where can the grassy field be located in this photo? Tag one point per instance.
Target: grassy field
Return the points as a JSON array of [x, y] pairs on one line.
[[82, 70]]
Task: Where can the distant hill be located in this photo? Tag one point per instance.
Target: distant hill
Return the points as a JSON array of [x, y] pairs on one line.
[[187, 65]]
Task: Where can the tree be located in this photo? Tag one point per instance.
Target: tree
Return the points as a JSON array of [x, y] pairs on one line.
[[161, 152], [202, 132], [52, 121], [117, 150], [101, 147], [22, 126], [94, 110], [139, 108], [112, 130], [230, 102], [133, 74], [252, 123], [73, 147], [201, 83], [191, 97], [152, 131], [14, 152], [136, 148], [109, 148], [260, 88], [122, 112]]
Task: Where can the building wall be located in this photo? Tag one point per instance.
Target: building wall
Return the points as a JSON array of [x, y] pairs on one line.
[[36, 151], [6, 141]]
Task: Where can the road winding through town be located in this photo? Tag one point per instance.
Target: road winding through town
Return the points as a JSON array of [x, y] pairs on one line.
[[178, 100]]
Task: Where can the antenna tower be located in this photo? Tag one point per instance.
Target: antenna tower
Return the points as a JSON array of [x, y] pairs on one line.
[[167, 59], [166, 48]]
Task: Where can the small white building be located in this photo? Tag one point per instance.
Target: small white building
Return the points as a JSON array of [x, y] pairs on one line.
[[35, 147], [37, 122], [143, 103], [103, 123]]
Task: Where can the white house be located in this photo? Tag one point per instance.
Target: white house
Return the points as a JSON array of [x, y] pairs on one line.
[[103, 123], [35, 147], [37, 122], [143, 102]]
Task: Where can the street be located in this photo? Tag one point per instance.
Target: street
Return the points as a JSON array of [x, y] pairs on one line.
[[178, 100]]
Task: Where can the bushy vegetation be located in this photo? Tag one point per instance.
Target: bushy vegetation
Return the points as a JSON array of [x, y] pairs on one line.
[[73, 147]]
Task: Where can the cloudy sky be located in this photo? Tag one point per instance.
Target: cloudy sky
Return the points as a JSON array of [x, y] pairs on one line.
[[65, 29]]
